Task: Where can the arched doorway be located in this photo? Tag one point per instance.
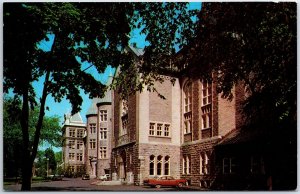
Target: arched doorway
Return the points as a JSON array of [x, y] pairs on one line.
[[122, 165]]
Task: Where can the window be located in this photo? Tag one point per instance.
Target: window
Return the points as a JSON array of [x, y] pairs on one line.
[[188, 97], [187, 92], [206, 93], [204, 163], [79, 156], [79, 145], [159, 130], [72, 132], [71, 156], [103, 133], [72, 144], [72, 168], [92, 128], [159, 165], [187, 164], [79, 133], [152, 129], [187, 126], [167, 165], [167, 131], [124, 125], [103, 152], [92, 143], [151, 166], [103, 115], [206, 107], [229, 165], [124, 107]]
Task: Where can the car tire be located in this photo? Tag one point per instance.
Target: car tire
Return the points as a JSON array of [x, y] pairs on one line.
[[158, 186], [180, 185]]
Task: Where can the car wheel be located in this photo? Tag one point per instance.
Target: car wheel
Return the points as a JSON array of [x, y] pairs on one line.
[[180, 185], [158, 186]]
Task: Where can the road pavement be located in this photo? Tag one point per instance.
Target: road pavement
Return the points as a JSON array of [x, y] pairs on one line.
[[77, 184]]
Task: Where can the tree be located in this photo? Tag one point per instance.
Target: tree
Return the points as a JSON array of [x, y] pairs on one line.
[[12, 134], [254, 44], [96, 33]]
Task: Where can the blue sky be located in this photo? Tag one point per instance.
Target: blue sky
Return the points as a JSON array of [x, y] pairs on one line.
[[64, 106]]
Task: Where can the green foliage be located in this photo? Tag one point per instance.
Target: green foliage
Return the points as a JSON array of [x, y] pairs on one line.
[[12, 134], [252, 43]]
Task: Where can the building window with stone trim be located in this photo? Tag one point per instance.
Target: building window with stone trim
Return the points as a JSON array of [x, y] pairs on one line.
[[92, 143], [103, 115], [124, 121], [152, 129], [79, 156], [72, 168], [187, 164], [167, 165], [159, 165], [206, 92], [80, 133], [159, 129], [152, 165], [187, 97], [167, 130], [93, 128], [103, 133], [72, 132], [71, 156], [103, 152], [204, 163]]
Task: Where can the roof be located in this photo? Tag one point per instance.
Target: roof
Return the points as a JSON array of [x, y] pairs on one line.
[[136, 51], [242, 136], [74, 120], [106, 99]]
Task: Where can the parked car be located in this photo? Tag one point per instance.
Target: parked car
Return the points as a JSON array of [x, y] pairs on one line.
[[85, 177], [104, 177], [57, 177], [165, 181]]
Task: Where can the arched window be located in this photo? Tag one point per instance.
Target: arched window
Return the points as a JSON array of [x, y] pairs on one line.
[[159, 165], [151, 167], [167, 165]]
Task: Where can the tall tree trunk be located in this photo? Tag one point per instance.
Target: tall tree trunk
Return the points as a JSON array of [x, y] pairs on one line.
[[26, 164]]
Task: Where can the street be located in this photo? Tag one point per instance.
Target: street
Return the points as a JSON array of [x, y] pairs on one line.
[[77, 184]]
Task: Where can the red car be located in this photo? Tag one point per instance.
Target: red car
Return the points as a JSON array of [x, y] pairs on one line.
[[165, 181]]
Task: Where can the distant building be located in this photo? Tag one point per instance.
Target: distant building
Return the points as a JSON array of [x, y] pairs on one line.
[[74, 133]]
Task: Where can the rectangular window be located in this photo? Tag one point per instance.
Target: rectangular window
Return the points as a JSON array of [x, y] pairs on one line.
[[72, 132], [79, 145], [72, 144], [92, 128], [206, 93], [71, 156], [152, 129], [229, 165], [103, 152], [72, 168], [103, 133], [187, 126], [92, 143], [103, 115], [79, 133], [79, 156], [167, 131], [159, 130]]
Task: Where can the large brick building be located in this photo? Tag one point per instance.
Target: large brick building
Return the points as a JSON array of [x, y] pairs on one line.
[[186, 135]]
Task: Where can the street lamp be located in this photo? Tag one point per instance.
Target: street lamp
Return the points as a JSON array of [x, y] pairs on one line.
[[47, 167]]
